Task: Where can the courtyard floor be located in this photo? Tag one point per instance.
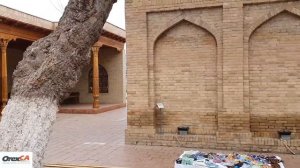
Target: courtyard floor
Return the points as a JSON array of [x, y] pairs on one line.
[[98, 140]]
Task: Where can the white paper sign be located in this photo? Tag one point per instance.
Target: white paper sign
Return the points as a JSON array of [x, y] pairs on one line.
[[160, 105], [16, 160]]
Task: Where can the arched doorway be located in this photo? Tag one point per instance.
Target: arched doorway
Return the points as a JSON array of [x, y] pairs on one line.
[[103, 80]]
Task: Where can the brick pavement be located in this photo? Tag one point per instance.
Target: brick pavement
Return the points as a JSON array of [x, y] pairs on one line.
[[98, 140]]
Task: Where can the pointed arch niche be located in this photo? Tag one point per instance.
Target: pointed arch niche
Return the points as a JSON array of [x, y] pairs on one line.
[[185, 78], [274, 73]]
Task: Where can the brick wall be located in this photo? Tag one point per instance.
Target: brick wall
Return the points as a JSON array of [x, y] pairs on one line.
[[229, 69], [275, 74], [186, 85]]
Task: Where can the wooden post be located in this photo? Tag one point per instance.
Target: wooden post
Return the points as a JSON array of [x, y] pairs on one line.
[[3, 44], [96, 91]]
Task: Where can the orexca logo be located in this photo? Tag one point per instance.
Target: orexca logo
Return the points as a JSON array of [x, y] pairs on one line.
[[16, 159]]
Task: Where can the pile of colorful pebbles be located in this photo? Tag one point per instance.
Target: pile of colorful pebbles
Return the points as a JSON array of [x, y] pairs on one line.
[[196, 159]]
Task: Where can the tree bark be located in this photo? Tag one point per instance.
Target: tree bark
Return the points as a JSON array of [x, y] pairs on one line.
[[50, 67]]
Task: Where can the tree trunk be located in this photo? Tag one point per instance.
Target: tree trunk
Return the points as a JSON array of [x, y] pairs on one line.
[[50, 67]]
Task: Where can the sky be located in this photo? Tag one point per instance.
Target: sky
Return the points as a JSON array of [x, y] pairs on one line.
[[53, 9]]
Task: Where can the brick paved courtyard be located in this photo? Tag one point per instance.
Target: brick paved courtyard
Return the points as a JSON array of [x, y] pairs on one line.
[[98, 140]]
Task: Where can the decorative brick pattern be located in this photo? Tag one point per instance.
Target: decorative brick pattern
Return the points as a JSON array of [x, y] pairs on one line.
[[228, 69]]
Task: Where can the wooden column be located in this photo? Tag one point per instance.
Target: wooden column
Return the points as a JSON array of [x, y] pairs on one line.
[[4, 96], [96, 91]]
